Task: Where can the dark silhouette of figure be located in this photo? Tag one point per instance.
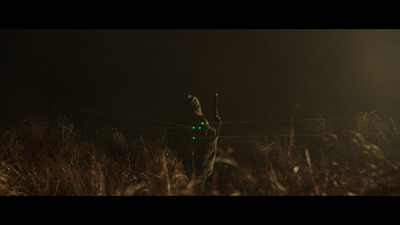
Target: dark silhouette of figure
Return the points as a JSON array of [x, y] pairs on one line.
[[196, 142]]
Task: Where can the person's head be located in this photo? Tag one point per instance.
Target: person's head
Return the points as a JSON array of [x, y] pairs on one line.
[[192, 106]]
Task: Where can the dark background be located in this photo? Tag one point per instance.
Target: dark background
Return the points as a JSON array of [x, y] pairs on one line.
[[260, 74]]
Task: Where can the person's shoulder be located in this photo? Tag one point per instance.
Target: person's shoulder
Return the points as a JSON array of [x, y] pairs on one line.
[[203, 120]]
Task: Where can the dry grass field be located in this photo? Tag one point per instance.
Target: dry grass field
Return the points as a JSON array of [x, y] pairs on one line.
[[322, 157]]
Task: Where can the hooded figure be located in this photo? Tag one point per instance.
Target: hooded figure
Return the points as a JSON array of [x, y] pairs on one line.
[[196, 142]]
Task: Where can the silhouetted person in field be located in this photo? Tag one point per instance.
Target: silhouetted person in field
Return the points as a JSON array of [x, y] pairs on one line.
[[196, 143]]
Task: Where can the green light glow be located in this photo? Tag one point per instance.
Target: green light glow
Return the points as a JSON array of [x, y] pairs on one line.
[[194, 138], [194, 128], [202, 123]]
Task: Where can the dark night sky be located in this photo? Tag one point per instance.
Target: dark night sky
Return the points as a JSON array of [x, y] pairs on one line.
[[260, 74]]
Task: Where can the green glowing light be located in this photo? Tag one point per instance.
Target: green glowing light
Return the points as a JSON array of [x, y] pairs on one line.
[[199, 128], [194, 138], [202, 123], [194, 128]]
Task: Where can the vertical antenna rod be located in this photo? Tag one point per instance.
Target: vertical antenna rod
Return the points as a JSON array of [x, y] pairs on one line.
[[216, 104]]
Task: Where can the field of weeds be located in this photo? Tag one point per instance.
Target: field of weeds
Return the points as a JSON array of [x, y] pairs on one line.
[[50, 156]]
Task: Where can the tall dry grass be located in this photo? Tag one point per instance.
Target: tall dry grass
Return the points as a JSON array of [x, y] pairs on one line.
[[39, 157], [50, 156]]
